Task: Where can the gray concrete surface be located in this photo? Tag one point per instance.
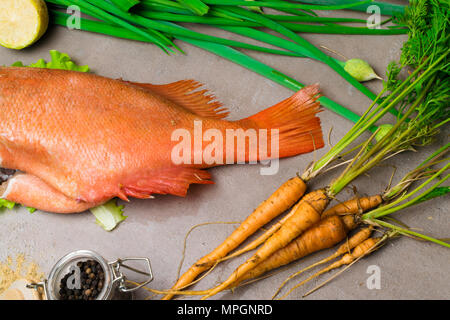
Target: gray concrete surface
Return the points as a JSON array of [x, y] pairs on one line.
[[156, 228]]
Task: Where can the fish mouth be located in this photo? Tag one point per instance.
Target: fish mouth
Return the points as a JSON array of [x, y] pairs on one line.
[[5, 176]]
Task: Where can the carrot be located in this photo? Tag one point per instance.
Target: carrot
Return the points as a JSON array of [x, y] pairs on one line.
[[358, 238], [359, 251], [355, 240], [281, 200], [353, 206], [307, 214], [266, 235], [323, 235], [356, 205]]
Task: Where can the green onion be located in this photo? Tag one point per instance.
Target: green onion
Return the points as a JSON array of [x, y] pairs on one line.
[[164, 6], [385, 7], [99, 27], [221, 50], [314, 52], [196, 6], [268, 38], [338, 29], [256, 9], [282, 4], [292, 26], [167, 16], [163, 27], [125, 5], [278, 17], [98, 13], [268, 72], [150, 20]]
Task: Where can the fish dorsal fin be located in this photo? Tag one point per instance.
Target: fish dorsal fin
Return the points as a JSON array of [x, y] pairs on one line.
[[183, 93]]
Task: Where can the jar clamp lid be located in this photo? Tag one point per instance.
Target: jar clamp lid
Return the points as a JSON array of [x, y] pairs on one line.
[[114, 279]]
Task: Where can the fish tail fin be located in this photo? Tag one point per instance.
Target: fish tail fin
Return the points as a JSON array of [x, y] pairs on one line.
[[296, 119]]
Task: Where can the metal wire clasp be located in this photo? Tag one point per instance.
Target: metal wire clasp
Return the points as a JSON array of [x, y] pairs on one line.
[[119, 277]]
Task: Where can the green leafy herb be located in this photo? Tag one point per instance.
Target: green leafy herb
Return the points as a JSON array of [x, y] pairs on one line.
[[437, 192], [423, 95], [398, 197]]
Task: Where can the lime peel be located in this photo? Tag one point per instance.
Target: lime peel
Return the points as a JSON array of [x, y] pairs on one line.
[[22, 22]]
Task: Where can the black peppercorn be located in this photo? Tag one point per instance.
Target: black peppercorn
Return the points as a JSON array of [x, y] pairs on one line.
[[91, 279]]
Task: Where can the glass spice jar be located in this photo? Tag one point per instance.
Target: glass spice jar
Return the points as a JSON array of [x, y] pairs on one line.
[[114, 287]]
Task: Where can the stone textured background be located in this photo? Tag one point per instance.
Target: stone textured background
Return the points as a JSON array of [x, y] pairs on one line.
[[156, 228]]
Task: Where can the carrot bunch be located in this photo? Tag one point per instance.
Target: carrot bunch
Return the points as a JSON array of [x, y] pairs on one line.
[[399, 199], [309, 226]]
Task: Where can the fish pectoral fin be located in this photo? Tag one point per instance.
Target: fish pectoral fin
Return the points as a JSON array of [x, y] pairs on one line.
[[174, 180], [31, 191], [183, 94]]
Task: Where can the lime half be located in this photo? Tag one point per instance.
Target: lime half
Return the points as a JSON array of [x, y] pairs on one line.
[[22, 22]]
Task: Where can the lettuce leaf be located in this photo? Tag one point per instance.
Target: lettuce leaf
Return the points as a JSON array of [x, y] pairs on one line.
[[58, 61], [109, 215], [6, 204], [31, 210]]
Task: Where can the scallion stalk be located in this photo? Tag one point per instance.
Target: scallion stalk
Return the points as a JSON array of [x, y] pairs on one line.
[[386, 8], [218, 49], [125, 5], [196, 6]]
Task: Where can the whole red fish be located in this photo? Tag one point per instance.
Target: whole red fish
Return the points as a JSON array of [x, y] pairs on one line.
[[78, 140]]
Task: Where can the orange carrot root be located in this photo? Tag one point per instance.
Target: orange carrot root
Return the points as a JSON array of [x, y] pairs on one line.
[[307, 214], [262, 238], [354, 206], [359, 251], [325, 234], [281, 200], [355, 240], [296, 249], [358, 238]]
